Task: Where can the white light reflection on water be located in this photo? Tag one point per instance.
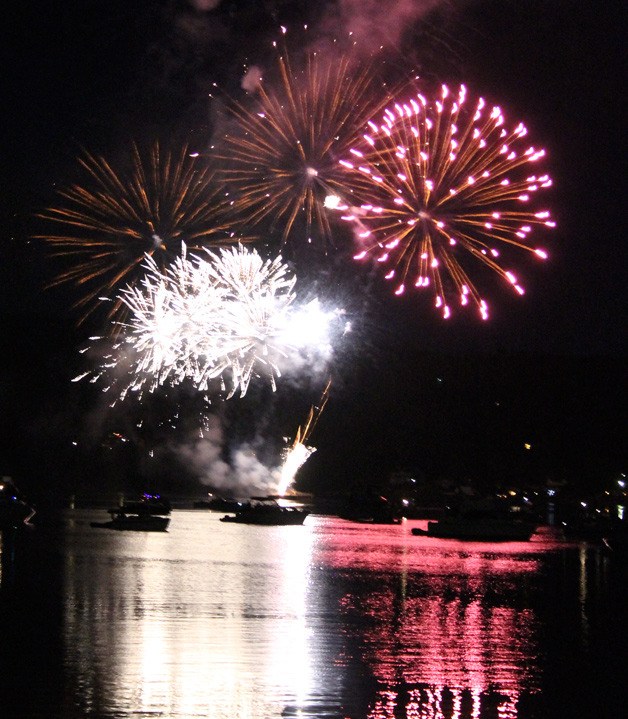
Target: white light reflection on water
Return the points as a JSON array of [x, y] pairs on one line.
[[206, 620], [330, 620]]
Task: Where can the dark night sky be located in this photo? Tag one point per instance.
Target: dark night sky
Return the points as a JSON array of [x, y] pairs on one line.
[[456, 398]]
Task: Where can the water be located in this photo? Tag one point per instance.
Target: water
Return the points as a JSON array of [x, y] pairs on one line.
[[329, 620]]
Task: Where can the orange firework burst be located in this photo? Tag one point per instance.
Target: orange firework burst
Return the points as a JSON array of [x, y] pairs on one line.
[[111, 222], [283, 154], [434, 184]]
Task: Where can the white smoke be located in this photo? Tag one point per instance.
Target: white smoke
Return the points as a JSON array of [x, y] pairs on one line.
[[243, 476], [251, 474]]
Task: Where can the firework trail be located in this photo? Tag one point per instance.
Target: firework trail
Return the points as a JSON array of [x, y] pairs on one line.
[[436, 183], [231, 315], [297, 454], [149, 205], [282, 155]]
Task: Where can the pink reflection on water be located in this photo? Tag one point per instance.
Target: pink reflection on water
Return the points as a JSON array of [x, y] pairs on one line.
[[354, 545], [450, 633]]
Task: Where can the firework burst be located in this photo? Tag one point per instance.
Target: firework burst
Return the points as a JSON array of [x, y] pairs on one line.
[[437, 183], [150, 205], [282, 155], [230, 316]]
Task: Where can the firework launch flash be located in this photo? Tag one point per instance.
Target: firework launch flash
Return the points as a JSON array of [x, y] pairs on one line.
[[297, 454]]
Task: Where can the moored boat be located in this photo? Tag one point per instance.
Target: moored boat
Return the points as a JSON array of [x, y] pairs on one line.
[[15, 511], [481, 525], [267, 511], [121, 519], [218, 504], [148, 503], [370, 509]]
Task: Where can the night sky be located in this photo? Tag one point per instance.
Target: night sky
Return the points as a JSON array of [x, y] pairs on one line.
[[411, 392]]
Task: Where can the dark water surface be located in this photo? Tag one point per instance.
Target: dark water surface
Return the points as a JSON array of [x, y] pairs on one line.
[[329, 620]]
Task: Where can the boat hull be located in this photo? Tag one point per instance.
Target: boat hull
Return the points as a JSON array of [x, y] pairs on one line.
[[289, 517], [135, 524], [16, 515], [14, 510], [267, 511], [478, 532]]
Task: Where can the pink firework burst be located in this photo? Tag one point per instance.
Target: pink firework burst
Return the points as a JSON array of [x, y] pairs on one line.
[[436, 184]]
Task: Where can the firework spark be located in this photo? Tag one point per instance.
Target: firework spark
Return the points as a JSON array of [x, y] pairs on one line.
[[149, 205], [231, 315], [438, 183], [297, 454], [282, 158]]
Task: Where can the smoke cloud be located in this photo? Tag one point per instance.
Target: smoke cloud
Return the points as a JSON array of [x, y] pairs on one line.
[[252, 79], [374, 23], [244, 475], [205, 5]]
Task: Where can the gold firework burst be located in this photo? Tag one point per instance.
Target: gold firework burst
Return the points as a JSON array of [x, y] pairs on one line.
[[283, 154], [147, 206]]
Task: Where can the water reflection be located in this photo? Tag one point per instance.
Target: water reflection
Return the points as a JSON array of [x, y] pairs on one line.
[[331, 620], [449, 629], [203, 617]]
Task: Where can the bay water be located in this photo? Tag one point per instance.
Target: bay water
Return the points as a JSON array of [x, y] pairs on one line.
[[329, 620]]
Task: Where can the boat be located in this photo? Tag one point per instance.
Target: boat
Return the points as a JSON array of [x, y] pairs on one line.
[[481, 524], [148, 503], [15, 511], [218, 504], [144, 521], [370, 510], [267, 511]]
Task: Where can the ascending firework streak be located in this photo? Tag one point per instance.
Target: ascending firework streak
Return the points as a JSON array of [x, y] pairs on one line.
[[298, 452], [282, 156], [108, 224], [435, 183], [230, 316]]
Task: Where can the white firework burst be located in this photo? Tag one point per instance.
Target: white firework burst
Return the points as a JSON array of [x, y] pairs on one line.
[[228, 315]]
